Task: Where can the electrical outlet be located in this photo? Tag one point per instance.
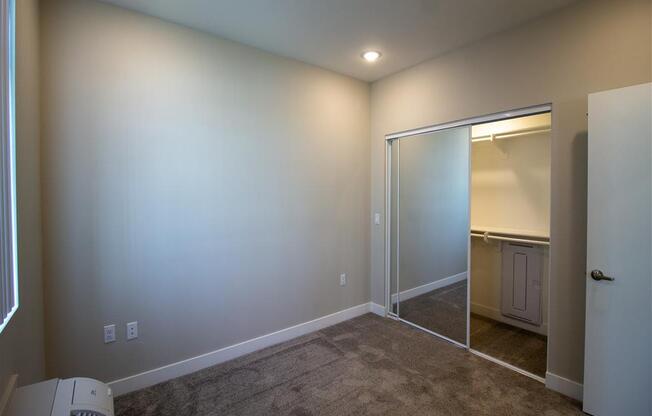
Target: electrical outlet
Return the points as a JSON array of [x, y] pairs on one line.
[[377, 218], [132, 330], [109, 333], [343, 279]]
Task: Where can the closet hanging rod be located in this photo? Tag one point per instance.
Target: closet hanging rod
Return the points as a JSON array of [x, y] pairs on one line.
[[487, 236], [517, 133]]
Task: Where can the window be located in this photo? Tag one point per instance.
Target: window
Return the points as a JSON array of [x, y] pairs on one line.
[[8, 255]]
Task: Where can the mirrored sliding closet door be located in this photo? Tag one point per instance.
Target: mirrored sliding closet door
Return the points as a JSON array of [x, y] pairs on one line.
[[429, 230]]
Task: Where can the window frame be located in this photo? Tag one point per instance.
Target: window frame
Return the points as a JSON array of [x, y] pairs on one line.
[[8, 215]]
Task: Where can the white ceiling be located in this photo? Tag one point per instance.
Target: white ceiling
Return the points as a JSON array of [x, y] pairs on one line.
[[332, 33]]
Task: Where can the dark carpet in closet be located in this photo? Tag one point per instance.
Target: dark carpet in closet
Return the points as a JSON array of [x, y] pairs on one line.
[[521, 348]]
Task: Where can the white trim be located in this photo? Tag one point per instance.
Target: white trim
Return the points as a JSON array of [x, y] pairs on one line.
[[3, 324], [507, 365], [565, 386], [493, 313], [191, 365], [388, 224], [377, 309], [471, 121], [469, 201], [8, 392], [429, 287], [9, 243]]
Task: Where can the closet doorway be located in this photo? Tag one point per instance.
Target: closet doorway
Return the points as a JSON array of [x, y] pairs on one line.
[[510, 239], [467, 234]]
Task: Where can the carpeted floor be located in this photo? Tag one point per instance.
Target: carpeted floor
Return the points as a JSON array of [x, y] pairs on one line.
[[366, 366], [442, 311], [521, 348]]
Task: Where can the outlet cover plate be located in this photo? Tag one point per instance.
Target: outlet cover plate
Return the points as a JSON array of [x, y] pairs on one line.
[[132, 330]]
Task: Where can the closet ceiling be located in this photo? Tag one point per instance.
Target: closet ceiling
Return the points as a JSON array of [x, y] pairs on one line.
[[333, 33]]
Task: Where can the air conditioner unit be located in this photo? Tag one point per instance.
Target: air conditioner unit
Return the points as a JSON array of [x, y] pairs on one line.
[[70, 397]]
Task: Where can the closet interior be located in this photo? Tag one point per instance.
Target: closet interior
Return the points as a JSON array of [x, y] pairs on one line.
[[510, 238], [468, 219]]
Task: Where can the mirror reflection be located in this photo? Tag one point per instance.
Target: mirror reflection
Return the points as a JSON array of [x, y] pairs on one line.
[[430, 231]]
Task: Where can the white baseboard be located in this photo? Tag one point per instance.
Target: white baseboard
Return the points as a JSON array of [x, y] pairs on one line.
[[7, 393], [429, 287], [493, 313], [377, 309], [564, 386], [191, 365]]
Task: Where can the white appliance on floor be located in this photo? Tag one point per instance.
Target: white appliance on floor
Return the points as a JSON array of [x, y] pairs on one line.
[[70, 397]]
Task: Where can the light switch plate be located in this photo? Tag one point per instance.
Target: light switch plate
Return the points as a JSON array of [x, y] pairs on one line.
[[109, 333], [343, 279], [377, 218]]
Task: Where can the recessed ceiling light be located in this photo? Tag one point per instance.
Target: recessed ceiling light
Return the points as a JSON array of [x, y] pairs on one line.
[[371, 56]]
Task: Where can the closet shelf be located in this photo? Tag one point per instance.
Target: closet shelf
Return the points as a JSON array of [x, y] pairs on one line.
[[507, 135], [516, 232], [513, 235]]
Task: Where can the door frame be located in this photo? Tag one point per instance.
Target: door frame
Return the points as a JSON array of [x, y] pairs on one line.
[[392, 138]]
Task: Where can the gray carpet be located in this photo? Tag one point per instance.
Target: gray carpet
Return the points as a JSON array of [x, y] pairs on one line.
[[521, 348], [442, 311], [366, 366]]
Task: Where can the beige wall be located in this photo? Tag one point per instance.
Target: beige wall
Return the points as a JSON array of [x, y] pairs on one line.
[[21, 343], [559, 59], [208, 190], [510, 184]]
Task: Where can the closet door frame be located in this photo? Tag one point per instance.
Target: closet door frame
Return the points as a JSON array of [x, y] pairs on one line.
[[394, 139]]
